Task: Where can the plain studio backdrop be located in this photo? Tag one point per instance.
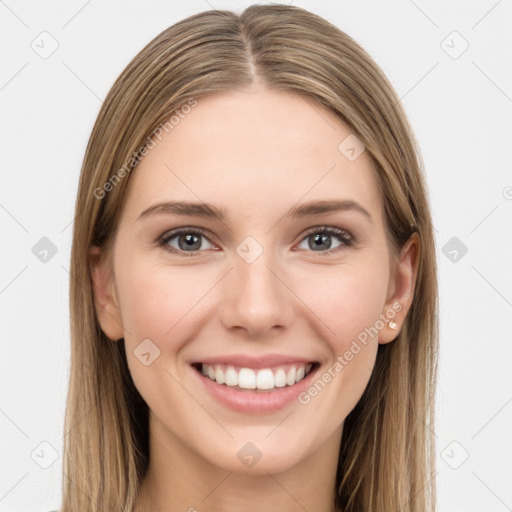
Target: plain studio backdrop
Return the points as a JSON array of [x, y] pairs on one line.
[[450, 64]]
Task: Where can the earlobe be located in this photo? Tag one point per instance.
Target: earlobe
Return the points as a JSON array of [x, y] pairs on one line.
[[105, 299], [402, 290]]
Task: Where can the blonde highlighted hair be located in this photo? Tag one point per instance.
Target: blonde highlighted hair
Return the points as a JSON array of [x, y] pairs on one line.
[[386, 461]]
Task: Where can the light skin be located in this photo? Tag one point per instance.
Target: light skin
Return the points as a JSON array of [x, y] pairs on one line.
[[254, 154]]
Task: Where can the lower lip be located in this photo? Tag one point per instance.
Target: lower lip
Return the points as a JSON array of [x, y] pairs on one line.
[[251, 401]]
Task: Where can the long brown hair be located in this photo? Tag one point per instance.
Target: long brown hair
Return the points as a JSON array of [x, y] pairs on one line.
[[386, 462]]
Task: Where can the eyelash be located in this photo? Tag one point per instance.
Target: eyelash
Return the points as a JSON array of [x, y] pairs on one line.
[[343, 236]]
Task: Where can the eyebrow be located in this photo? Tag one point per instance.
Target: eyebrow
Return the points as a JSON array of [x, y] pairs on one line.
[[206, 210]]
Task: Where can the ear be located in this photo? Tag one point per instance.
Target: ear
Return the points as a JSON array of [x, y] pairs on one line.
[[105, 298], [401, 290]]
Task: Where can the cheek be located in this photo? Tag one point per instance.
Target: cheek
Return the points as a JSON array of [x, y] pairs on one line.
[[157, 304], [349, 305], [164, 305], [157, 301], [170, 305], [347, 299]]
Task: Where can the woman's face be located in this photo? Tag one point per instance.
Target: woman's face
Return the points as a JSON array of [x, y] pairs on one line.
[[276, 288]]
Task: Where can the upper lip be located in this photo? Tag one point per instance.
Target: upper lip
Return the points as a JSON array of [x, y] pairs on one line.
[[245, 361]]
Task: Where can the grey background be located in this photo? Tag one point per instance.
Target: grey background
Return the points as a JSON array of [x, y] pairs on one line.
[[459, 102]]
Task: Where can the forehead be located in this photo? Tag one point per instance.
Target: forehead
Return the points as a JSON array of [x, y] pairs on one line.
[[247, 151]]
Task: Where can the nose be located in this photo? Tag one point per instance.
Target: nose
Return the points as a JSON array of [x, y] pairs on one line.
[[256, 298]]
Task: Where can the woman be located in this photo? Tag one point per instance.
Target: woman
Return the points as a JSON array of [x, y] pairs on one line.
[[221, 358]]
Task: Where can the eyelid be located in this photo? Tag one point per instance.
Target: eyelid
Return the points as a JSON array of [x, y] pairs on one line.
[[345, 236], [166, 237], [342, 233], [347, 239]]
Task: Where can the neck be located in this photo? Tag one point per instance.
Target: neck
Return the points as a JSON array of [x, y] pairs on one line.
[[179, 479]]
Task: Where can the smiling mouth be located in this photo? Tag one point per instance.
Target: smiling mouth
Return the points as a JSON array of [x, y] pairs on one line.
[[256, 380]]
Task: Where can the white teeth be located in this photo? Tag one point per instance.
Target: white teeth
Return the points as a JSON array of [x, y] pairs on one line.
[[247, 378], [280, 378], [290, 377], [231, 376], [265, 379], [219, 376]]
